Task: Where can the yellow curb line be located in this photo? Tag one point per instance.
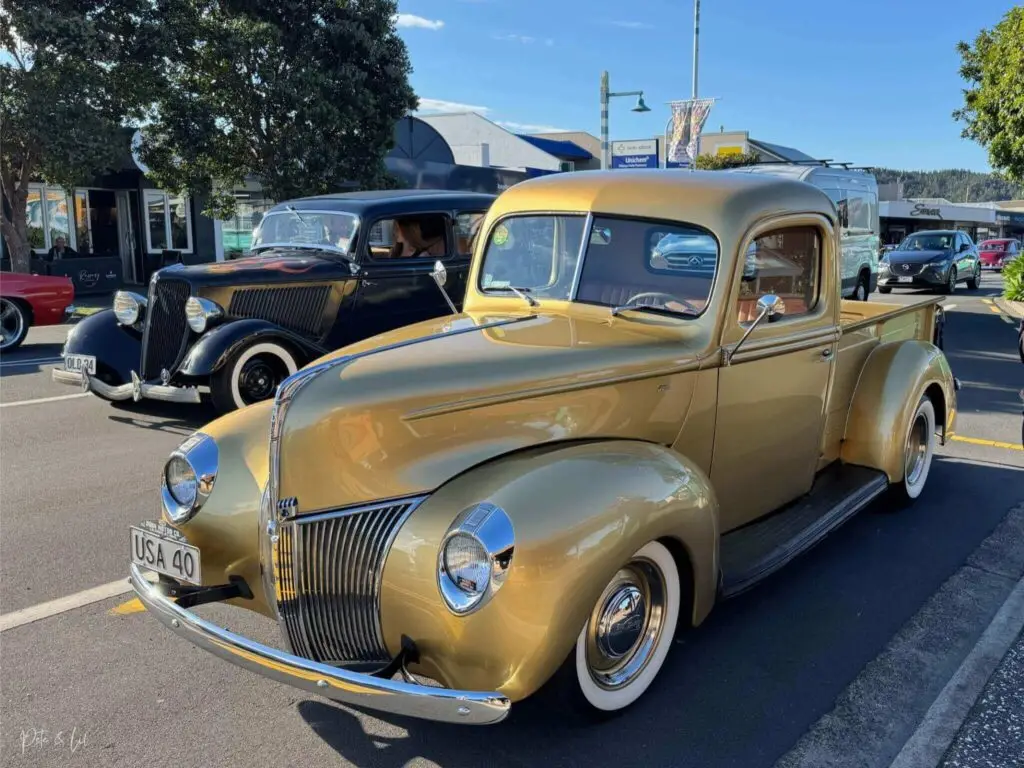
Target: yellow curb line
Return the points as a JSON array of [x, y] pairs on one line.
[[988, 443]]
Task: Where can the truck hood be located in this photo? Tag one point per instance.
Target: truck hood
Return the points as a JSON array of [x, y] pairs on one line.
[[405, 412]]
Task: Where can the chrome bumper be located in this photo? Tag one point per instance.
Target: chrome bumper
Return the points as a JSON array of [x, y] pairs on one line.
[[400, 698], [136, 389]]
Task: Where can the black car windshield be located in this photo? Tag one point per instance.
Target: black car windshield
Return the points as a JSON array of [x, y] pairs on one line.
[[625, 261], [934, 241], [332, 231]]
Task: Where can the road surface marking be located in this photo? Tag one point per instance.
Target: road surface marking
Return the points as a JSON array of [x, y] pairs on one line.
[[128, 607], [987, 301], [44, 400], [989, 443], [1007, 320], [34, 361], [63, 604], [949, 306]]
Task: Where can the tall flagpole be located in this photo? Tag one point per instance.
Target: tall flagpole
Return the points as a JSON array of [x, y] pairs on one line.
[[696, 42]]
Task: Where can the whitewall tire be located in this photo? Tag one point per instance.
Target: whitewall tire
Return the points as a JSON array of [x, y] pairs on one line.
[[252, 374], [918, 452], [629, 632]]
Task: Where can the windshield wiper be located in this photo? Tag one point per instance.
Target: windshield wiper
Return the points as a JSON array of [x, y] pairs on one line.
[[522, 293], [295, 213], [686, 311]]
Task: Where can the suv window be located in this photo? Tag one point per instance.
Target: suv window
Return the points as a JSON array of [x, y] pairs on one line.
[[787, 263], [422, 235]]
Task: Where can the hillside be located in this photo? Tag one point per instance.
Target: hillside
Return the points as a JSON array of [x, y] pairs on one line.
[[955, 185]]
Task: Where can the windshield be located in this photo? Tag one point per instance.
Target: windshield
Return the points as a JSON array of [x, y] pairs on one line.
[[936, 241], [326, 230], [992, 245], [625, 261]]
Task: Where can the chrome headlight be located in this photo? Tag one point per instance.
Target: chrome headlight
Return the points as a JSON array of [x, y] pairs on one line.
[[199, 312], [188, 477], [475, 557], [128, 307]]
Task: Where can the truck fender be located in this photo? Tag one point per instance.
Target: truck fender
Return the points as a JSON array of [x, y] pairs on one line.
[[894, 379], [579, 511], [117, 348], [215, 347]]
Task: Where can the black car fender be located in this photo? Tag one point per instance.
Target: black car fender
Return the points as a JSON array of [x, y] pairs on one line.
[[117, 348], [215, 347]]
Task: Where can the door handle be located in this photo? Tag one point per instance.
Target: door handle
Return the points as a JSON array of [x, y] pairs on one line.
[[370, 283]]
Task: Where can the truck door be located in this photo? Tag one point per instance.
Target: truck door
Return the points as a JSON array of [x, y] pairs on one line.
[[772, 397]]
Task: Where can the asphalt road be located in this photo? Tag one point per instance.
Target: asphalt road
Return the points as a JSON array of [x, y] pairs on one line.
[[93, 687]]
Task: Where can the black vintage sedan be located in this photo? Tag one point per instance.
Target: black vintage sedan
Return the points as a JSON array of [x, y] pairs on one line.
[[324, 272], [938, 258]]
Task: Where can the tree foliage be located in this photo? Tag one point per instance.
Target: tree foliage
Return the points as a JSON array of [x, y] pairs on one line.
[[303, 94], [722, 162], [71, 73], [955, 185], [994, 101]]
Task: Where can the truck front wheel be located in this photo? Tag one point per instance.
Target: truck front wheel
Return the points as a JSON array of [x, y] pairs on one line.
[[624, 643]]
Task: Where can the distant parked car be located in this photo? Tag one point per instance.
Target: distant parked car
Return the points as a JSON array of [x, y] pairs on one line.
[[931, 259], [27, 300], [997, 253], [324, 272]]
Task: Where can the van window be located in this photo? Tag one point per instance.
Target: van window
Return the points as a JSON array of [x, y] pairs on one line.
[[838, 197], [862, 209]]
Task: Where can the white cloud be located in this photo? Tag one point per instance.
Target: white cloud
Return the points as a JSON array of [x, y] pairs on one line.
[[632, 24], [524, 39], [441, 105], [530, 127], [411, 20]]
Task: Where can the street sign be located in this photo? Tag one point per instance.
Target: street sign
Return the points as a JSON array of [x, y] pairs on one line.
[[640, 153]]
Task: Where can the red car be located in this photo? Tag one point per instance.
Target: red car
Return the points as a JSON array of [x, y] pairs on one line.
[[27, 300], [995, 254]]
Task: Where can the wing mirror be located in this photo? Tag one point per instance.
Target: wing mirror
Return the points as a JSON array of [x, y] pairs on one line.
[[440, 276], [964, 247], [769, 306]]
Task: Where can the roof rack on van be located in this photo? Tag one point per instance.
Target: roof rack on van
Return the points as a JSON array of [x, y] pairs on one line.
[[825, 162]]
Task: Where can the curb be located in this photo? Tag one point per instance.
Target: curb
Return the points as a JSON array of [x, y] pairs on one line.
[[1011, 308], [947, 714]]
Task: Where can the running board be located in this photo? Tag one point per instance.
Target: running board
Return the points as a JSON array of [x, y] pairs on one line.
[[755, 551]]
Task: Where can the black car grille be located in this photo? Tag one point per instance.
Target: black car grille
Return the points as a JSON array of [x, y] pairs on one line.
[[298, 308], [905, 270], [328, 573], [163, 343]]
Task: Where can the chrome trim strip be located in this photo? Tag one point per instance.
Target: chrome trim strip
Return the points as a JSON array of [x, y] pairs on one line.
[[413, 501], [400, 698], [588, 226]]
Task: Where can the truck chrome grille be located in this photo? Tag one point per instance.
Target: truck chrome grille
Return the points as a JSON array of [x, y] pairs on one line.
[[163, 342], [328, 573]]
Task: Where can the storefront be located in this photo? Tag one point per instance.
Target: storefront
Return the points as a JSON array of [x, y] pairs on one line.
[[1011, 223], [899, 218]]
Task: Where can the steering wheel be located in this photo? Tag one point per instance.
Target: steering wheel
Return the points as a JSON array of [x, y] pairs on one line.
[[659, 295]]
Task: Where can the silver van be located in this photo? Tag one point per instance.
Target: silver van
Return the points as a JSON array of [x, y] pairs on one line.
[[855, 194]]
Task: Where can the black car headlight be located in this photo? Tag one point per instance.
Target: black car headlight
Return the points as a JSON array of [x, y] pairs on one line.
[[128, 307]]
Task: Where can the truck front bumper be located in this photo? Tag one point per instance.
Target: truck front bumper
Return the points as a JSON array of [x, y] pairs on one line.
[[135, 389], [360, 690]]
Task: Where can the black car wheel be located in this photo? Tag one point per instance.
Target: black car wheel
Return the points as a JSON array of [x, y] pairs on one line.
[[883, 289], [950, 281], [975, 279], [251, 374], [14, 324]]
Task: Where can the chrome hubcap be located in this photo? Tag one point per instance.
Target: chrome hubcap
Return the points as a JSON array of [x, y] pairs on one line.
[[11, 323], [916, 451], [626, 625]]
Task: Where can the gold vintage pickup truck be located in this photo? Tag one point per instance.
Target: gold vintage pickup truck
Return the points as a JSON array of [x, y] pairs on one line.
[[653, 399]]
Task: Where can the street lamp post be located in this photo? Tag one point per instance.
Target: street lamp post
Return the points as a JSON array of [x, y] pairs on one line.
[[606, 96]]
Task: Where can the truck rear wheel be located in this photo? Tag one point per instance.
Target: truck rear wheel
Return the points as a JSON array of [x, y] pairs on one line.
[[623, 645], [918, 451]]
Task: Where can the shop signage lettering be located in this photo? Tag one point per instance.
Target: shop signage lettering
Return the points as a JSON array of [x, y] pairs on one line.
[[922, 209], [87, 278], [638, 153]]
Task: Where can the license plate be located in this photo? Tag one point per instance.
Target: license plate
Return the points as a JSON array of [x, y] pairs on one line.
[[164, 554], [905, 279], [79, 363]]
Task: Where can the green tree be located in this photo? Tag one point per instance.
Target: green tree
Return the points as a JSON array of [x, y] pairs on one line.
[[72, 72], [722, 162], [302, 94], [994, 103]]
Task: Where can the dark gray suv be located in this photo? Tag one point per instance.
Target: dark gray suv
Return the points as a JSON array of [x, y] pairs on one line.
[[938, 258]]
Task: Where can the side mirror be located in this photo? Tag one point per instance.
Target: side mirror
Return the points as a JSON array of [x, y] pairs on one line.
[[440, 274], [769, 306], [964, 247]]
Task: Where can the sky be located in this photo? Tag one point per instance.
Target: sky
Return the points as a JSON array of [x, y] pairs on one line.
[[872, 82]]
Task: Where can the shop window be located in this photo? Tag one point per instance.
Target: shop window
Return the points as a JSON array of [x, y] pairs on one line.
[[236, 232], [168, 222], [785, 262], [49, 216], [566, 166]]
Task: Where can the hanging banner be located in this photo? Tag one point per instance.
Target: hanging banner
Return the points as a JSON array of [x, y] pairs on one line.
[[682, 133]]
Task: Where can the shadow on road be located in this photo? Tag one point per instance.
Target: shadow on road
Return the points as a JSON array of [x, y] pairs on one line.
[[29, 358], [173, 417], [741, 689], [982, 351]]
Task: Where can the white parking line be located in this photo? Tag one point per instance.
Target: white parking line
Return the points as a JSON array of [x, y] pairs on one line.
[[44, 400], [62, 604], [37, 361]]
